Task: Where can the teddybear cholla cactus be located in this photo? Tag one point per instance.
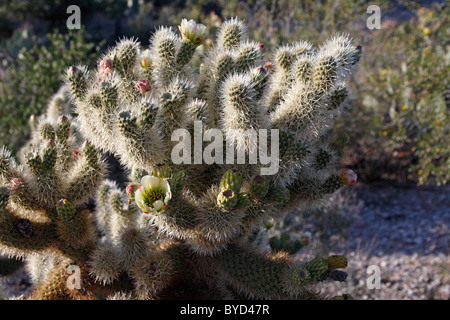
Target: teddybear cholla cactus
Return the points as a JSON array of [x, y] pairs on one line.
[[180, 230]]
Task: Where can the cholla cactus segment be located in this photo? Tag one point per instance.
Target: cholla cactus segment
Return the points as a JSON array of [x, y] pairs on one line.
[[232, 32], [337, 262], [243, 200], [332, 184], [338, 275], [177, 181], [162, 171], [76, 77], [348, 177], [4, 196], [231, 180], [66, 210], [227, 199], [259, 187], [318, 268], [193, 31], [153, 195], [47, 131]]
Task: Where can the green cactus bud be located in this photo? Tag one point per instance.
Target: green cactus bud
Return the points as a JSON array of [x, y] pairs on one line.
[[63, 129], [109, 95], [127, 54], [166, 50], [318, 268], [90, 154], [94, 101], [128, 125], [337, 262], [324, 73], [66, 210], [322, 159], [4, 196], [300, 276], [34, 163], [177, 182], [76, 78], [227, 199], [137, 174], [303, 70], [148, 115], [116, 202], [103, 194], [337, 98], [231, 34], [332, 184], [49, 156], [243, 201], [338, 275], [162, 171], [224, 65], [47, 131], [279, 194], [284, 58], [231, 180], [249, 56], [259, 187], [185, 53]]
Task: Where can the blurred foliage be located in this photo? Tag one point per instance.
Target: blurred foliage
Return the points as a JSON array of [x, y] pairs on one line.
[[32, 78], [402, 104]]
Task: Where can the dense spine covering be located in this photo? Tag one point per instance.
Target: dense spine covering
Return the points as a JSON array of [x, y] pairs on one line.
[[179, 230]]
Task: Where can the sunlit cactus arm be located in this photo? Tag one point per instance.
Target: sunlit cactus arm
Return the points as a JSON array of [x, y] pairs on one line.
[[86, 175]]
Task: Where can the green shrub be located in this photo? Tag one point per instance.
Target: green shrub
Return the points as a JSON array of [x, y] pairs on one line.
[[31, 80]]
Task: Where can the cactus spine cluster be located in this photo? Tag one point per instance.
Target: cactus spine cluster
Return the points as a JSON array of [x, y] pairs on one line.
[[179, 230]]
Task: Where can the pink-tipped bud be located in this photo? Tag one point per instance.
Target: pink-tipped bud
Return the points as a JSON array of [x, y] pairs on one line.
[[146, 64], [105, 64], [131, 189], [63, 118], [50, 143], [72, 70], [261, 47], [262, 70], [269, 66], [33, 117], [348, 177], [143, 86], [17, 185], [76, 153]]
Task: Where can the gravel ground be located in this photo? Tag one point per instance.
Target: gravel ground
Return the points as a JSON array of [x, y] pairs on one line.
[[405, 232], [402, 230]]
